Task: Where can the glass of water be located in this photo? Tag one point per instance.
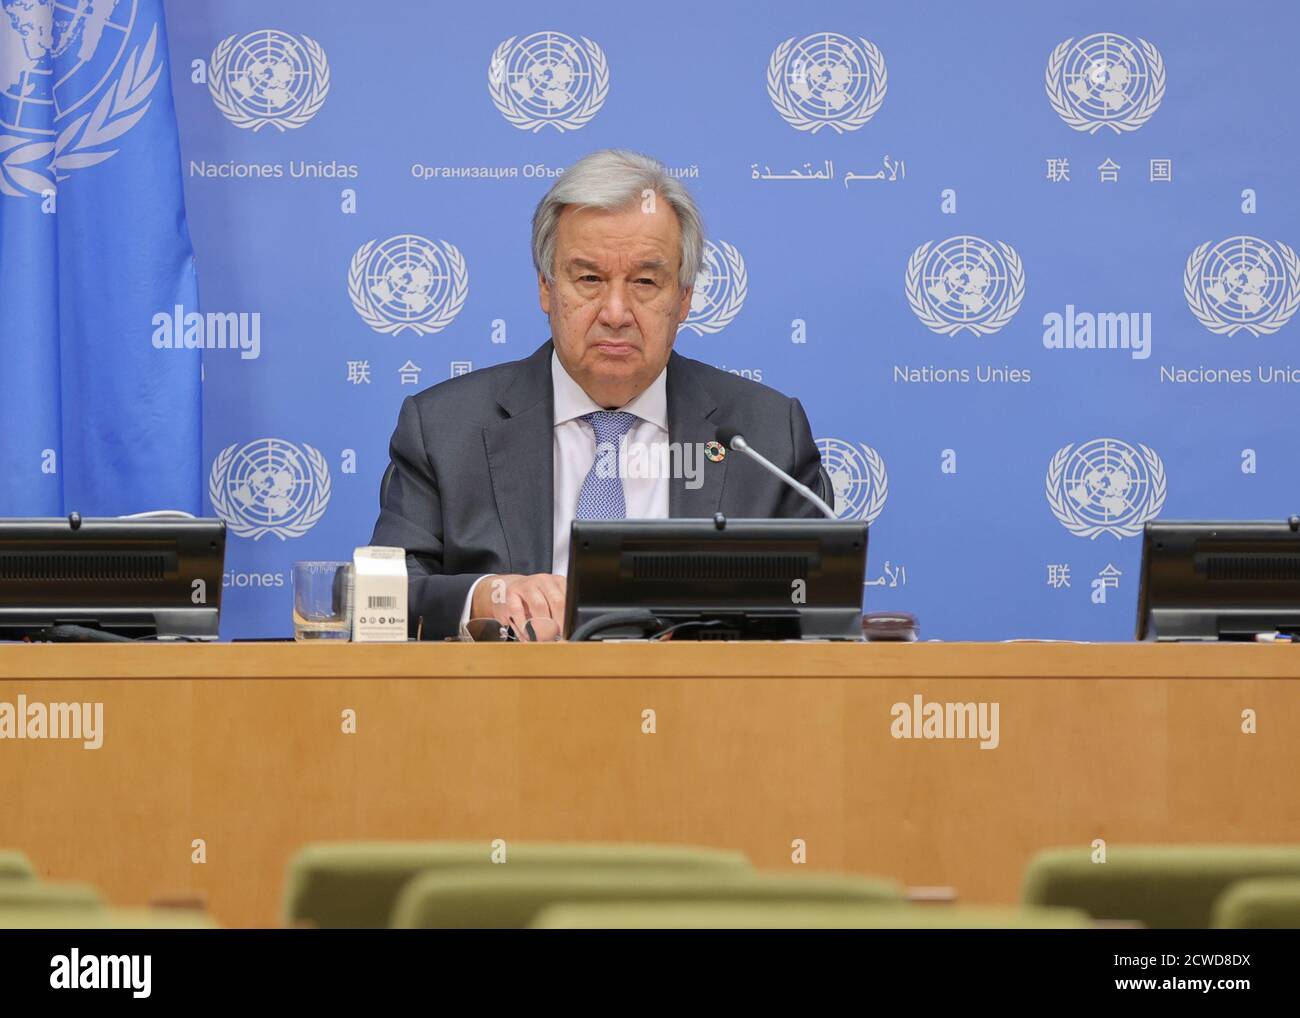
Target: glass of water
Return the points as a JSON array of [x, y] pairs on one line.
[[322, 600]]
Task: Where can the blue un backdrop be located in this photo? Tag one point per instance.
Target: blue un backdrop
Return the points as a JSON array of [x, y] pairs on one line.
[[1031, 267]]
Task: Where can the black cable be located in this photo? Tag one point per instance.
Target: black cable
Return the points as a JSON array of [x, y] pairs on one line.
[[637, 617], [77, 634], [663, 634]]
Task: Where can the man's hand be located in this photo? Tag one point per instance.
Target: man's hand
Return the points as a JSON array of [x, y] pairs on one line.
[[512, 599]]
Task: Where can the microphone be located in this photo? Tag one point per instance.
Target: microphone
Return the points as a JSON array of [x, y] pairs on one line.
[[733, 439]]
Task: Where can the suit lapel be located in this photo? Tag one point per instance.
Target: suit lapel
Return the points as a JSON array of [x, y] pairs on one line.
[[520, 450], [690, 426]]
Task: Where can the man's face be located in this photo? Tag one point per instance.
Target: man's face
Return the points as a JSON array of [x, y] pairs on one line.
[[616, 303]]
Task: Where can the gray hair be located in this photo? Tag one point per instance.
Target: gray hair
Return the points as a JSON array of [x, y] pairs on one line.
[[614, 179]]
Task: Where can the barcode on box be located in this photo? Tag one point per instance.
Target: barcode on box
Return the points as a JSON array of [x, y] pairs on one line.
[[384, 601]]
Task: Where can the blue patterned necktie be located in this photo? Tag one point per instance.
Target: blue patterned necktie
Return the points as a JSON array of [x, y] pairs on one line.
[[601, 497]]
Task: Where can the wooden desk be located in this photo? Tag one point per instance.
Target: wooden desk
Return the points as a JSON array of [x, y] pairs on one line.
[[756, 745]]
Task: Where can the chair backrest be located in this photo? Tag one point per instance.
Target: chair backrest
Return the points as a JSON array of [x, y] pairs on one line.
[[15, 866], [34, 894], [825, 489], [355, 885], [512, 897], [798, 915], [1163, 886], [104, 919], [1262, 903]]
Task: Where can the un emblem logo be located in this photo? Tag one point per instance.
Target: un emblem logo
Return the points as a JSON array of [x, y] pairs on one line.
[[268, 77], [858, 479], [1105, 80], [73, 78], [269, 486], [720, 289], [826, 80], [408, 282], [1105, 486], [964, 283], [548, 79], [1242, 283]]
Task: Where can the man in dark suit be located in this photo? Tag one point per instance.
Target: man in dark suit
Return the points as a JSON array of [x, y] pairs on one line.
[[604, 420]]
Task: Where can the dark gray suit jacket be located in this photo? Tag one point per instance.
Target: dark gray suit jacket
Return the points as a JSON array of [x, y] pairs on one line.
[[472, 478]]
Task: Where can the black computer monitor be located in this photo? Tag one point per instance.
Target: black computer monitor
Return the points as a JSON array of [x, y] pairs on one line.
[[717, 578], [1219, 580], [130, 577]]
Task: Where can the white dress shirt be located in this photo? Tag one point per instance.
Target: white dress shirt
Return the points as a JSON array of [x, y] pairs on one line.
[[645, 484]]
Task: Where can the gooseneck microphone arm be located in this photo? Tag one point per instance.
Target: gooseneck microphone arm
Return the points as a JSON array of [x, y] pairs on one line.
[[733, 439]]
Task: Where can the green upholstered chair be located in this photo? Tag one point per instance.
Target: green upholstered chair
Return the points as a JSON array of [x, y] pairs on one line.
[[1162, 886], [1261, 903], [355, 885], [510, 897], [104, 919], [36, 894], [786, 915], [15, 866]]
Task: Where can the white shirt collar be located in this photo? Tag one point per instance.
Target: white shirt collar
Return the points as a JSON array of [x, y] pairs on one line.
[[572, 401]]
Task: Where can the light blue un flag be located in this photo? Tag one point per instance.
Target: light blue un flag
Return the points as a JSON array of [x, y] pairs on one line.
[[93, 244]]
